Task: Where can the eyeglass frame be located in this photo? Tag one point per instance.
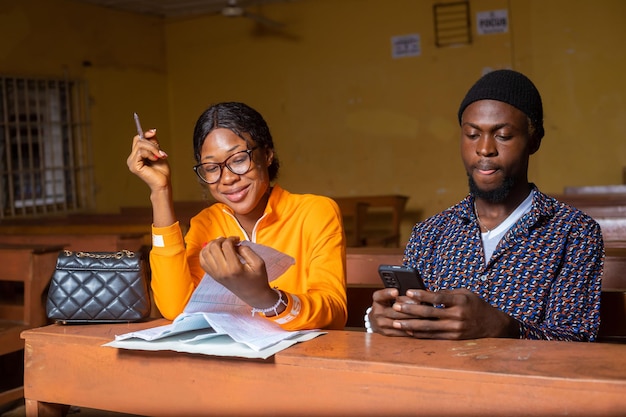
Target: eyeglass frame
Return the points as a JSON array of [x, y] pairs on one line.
[[223, 164]]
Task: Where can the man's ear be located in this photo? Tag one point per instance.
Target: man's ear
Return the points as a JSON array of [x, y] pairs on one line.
[[535, 143]]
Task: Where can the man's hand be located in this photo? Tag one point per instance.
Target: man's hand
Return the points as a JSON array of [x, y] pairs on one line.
[[446, 314], [383, 315]]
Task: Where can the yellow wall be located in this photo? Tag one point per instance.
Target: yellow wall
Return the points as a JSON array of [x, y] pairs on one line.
[[122, 58], [347, 118]]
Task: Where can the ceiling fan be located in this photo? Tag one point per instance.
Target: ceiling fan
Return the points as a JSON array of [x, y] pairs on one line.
[[233, 9]]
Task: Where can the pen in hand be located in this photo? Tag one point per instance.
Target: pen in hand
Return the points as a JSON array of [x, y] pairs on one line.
[[139, 129], [141, 136]]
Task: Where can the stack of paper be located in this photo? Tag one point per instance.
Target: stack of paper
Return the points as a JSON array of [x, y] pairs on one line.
[[216, 322]]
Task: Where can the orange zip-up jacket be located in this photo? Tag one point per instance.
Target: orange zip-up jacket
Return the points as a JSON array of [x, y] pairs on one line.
[[305, 226]]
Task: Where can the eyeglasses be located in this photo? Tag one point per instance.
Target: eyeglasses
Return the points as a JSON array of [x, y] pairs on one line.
[[238, 163]]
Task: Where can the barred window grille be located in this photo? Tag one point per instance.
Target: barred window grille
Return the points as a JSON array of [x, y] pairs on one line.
[[45, 149]]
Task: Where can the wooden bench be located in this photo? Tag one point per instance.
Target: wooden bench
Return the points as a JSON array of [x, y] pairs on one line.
[[24, 276], [613, 305], [362, 278]]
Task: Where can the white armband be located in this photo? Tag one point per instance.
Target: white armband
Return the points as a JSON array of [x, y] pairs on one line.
[[366, 319]]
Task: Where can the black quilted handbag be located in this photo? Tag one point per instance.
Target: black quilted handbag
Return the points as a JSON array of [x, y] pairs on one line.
[[98, 287]]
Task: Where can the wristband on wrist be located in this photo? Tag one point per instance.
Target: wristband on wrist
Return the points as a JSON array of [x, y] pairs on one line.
[[366, 319], [273, 308]]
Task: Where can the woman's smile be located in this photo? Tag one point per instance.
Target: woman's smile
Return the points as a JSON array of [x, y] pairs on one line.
[[236, 195]]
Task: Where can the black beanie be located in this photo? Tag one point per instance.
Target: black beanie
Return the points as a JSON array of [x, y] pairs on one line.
[[510, 87]]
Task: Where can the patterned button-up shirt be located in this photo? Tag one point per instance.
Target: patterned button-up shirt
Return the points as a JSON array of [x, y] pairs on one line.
[[545, 272]]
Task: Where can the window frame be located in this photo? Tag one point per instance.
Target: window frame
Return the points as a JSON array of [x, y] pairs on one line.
[[46, 164]]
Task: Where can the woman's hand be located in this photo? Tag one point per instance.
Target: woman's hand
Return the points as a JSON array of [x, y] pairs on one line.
[[239, 269], [149, 162]]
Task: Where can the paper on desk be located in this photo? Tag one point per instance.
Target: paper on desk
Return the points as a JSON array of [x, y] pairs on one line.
[[215, 321], [218, 345]]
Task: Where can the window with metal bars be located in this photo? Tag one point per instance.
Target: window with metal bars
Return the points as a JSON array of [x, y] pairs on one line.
[[45, 149]]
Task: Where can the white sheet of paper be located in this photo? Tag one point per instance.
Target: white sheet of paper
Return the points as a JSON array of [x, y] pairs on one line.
[[216, 345], [213, 312]]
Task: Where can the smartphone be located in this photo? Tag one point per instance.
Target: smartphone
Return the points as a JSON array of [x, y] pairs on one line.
[[400, 277]]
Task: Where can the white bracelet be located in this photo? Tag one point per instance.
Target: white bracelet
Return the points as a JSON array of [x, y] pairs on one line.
[[273, 308], [366, 319]]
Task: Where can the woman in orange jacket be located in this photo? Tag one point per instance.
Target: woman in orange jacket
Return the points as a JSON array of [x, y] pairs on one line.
[[237, 162]]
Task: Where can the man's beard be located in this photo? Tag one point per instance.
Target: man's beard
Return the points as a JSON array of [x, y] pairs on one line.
[[493, 196]]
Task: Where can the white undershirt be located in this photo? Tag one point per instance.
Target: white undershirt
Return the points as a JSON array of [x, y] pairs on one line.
[[492, 237]]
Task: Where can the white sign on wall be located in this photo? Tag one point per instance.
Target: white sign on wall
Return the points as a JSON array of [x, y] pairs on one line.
[[407, 45], [494, 21]]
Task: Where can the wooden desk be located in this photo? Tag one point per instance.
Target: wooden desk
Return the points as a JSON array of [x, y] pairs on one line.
[[606, 204], [340, 373], [90, 242], [597, 205], [25, 272], [90, 232], [596, 189], [184, 210], [357, 207]]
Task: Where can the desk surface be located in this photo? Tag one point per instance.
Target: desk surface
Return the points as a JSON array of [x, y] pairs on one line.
[[339, 373]]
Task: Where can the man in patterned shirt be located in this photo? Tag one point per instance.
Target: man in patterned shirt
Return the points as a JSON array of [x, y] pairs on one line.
[[508, 260]]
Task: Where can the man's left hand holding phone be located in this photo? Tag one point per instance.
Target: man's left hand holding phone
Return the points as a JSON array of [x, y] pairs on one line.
[[392, 311]]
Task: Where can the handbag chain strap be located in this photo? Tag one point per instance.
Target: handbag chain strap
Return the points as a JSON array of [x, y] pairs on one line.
[[117, 255]]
